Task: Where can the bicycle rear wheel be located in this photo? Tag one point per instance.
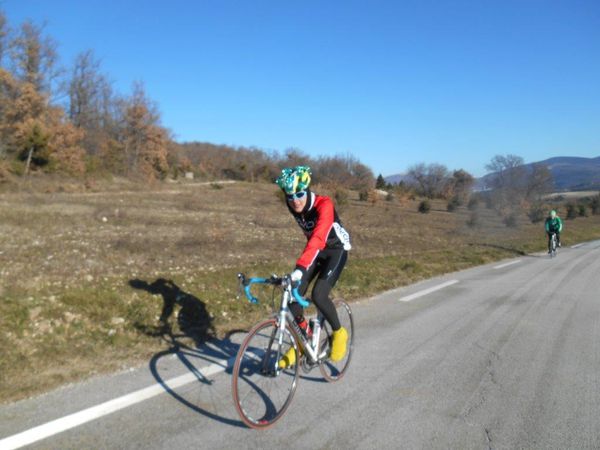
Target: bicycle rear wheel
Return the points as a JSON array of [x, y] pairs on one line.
[[334, 371], [261, 393]]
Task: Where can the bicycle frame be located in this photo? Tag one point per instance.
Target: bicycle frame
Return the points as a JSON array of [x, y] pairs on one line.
[[311, 348], [261, 390], [284, 315]]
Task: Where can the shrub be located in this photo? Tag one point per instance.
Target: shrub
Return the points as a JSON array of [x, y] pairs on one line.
[[390, 197], [424, 207], [363, 195], [571, 211], [582, 210], [510, 220], [473, 203], [373, 196], [341, 197], [473, 219], [453, 204]]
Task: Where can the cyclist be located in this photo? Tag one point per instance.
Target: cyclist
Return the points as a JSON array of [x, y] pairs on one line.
[[323, 257], [553, 224]]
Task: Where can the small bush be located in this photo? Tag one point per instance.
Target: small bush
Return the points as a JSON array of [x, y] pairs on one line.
[[571, 211], [473, 220], [216, 186], [341, 197], [473, 203], [453, 204], [363, 195], [390, 197], [582, 210], [510, 220], [424, 207]]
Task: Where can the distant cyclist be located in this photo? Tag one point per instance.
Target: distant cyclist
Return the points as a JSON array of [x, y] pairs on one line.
[[553, 225], [323, 257]]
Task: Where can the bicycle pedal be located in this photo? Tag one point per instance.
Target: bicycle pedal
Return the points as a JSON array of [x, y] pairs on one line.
[[307, 366]]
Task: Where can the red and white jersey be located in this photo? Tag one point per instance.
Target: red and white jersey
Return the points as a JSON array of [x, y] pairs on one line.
[[322, 228]]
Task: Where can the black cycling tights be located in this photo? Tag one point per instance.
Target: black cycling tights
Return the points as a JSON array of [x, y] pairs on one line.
[[327, 269]]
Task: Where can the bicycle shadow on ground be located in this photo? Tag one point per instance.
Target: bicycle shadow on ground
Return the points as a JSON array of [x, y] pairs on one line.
[[195, 325]]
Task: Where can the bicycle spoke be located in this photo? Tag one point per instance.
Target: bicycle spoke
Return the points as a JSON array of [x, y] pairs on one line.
[[262, 394]]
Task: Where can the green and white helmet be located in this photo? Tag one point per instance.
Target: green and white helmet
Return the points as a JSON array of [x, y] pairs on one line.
[[294, 179]]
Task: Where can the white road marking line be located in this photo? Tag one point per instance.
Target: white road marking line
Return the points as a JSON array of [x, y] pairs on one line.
[[576, 245], [410, 297], [501, 266], [71, 421]]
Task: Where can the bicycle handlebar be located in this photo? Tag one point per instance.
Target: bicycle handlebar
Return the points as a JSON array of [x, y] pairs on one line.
[[274, 280]]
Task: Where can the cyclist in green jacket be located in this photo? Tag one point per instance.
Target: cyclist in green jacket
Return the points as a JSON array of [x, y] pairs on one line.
[[553, 225]]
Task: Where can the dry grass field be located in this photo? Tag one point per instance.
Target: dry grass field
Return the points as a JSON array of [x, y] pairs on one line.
[[87, 274]]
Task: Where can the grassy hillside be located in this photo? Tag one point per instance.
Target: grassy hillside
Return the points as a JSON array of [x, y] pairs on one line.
[[85, 277]]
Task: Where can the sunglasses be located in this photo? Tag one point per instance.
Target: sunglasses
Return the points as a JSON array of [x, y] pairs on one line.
[[296, 196]]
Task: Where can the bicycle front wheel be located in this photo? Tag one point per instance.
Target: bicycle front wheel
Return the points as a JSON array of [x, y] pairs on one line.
[[261, 393], [334, 371]]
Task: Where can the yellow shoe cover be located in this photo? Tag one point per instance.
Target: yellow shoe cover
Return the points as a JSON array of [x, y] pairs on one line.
[[338, 344], [288, 359]]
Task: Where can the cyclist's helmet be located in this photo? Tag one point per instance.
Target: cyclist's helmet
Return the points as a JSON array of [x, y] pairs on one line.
[[294, 179], [553, 214]]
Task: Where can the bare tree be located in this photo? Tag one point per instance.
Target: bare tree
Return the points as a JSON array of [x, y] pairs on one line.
[[431, 180], [362, 177], [34, 57], [539, 182], [144, 140], [508, 186], [295, 157], [90, 101], [4, 30], [461, 185], [508, 173]]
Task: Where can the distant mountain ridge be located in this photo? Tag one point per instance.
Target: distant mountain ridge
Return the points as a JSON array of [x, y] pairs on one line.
[[573, 173], [570, 173]]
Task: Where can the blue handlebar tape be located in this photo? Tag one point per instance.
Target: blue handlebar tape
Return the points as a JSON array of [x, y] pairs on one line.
[[251, 281], [299, 298], [254, 300], [251, 298]]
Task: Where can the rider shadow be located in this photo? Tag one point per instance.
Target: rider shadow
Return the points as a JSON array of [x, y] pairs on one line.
[[195, 324], [193, 319]]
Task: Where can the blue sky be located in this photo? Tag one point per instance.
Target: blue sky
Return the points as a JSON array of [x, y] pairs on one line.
[[393, 83]]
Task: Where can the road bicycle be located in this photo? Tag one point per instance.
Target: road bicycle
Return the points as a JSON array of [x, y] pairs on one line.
[[262, 392], [552, 245]]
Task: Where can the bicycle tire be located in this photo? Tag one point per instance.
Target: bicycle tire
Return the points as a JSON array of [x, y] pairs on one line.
[[334, 371], [261, 396]]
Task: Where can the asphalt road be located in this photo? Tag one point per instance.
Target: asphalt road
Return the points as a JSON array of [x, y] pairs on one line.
[[502, 356]]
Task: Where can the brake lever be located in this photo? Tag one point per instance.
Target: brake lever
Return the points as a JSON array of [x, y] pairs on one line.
[[241, 283]]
